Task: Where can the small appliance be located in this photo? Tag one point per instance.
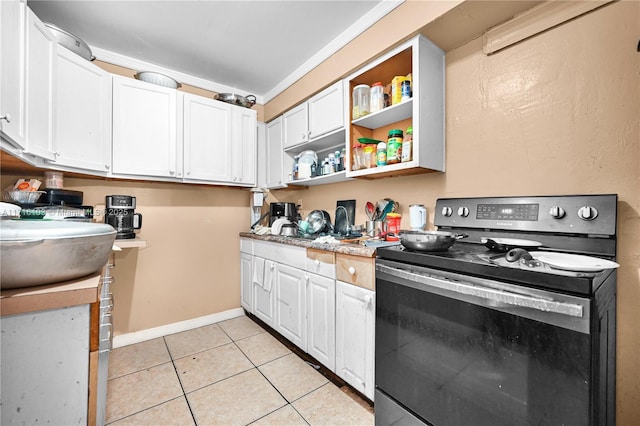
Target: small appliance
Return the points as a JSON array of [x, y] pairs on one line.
[[120, 214], [417, 217], [257, 201], [283, 210]]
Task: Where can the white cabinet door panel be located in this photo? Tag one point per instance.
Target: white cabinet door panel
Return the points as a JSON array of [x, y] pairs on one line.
[[295, 126], [246, 281], [264, 306], [291, 304], [274, 155], [243, 146], [321, 321], [83, 113], [326, 111]]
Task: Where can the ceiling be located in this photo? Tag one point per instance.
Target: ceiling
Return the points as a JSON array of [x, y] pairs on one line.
[[248, 47]]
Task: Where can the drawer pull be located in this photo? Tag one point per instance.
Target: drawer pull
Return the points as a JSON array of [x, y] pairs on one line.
[[368, 299], [352, 270], [317, 262]]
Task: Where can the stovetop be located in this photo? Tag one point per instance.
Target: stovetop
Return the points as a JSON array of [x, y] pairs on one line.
[[477, 260]]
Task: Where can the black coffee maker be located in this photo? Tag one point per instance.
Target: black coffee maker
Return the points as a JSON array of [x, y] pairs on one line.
[[120, 214]]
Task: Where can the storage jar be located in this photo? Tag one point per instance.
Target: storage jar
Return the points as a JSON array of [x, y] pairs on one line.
[[393, 226], [407, 145], [361, 98], [394, 146], [377, 97]]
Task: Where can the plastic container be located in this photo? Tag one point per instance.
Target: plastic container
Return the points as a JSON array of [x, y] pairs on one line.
[[405, 90], [381, 154], [407, 145], [361, 100], [358, 158], [393, 226], [396, 89], [369, 156], [53, 180], [394, 146], [377, 97]]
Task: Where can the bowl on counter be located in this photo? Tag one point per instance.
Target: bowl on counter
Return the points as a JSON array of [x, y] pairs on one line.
[[38, 252]]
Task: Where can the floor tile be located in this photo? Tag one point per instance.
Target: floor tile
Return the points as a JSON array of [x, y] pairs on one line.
[[196, 340], [240, 328], [204, 368], [262, 348], [138, 391], [172, 413], [286, 416], [238, 400], [325, 405], [132, 358], [292, 377]]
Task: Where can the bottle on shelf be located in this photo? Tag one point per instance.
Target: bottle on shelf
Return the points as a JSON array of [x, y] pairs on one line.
[[407, 145], [381, 154], [394, 146]]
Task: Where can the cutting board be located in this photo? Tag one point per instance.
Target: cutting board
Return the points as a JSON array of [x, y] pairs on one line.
[[342, 219]]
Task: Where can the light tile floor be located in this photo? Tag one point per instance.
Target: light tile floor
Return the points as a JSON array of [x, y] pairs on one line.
[[229, 373]]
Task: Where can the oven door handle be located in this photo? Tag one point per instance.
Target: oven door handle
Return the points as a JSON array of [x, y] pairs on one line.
[[492, 297]]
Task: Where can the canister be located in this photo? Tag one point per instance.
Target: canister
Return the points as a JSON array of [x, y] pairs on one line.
[[377, 97], [370, 155], [393, 226], [396, 89], [394, 146], [53, 180], [361, 98]]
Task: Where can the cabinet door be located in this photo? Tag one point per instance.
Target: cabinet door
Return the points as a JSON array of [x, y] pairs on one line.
[[12, 71], [243, 146], [246, 281], [83, 113], [291, 304], [295, 126], [326, 111], [41, 88], [355, 316], [264, 295], [207, 139], [274, 153], [144, 129], [321, 321]]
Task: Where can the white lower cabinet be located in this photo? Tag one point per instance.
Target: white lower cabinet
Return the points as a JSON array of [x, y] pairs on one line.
[[264, 306], [291, 304], [355, 319], [246, 281], [321, 319]]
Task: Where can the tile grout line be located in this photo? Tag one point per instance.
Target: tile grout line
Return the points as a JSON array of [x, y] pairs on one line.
[[175, 369]]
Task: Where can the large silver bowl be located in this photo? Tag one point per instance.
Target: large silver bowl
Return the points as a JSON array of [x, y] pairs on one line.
[[38, 252]]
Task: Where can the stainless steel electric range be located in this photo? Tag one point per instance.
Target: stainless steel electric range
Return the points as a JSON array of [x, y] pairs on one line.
[[512, 325]]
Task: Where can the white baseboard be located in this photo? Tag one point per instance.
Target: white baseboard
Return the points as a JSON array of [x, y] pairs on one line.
[[176, 327]]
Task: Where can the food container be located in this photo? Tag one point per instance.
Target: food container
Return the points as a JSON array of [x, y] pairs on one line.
[[396, 89], [369, 156], [407, 145], [377, 97], [393, 225], [361, 99], [394, 146], [53, 180], [26, 197]]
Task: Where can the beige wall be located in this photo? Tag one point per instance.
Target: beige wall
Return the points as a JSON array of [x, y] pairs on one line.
[[556, 114]]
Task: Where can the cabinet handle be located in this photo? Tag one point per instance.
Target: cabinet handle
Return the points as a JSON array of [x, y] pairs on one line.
[[171, 172], [368, 299], [6, 118], [352, 270], [106, 167], [317, 262]]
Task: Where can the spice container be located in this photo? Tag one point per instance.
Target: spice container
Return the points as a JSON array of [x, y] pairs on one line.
[[381, 154], [394, 146], [361, 98], [377, 97], [407, 145], [370, 155], [405, 90], [396, 89]]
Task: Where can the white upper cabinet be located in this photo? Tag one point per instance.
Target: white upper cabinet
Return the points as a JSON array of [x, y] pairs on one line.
[[40, 88], [12, 71], [83, 113], [144, 129], [207, 139], [273, 154], [326, 111], [244, 146], [295, 126]]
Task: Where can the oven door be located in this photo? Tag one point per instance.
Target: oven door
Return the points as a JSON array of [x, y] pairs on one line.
[[459, 350]]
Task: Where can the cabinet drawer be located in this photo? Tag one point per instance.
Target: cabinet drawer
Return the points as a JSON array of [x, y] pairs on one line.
[[246, 245], [356, 270], [281, 253], [321, 262]]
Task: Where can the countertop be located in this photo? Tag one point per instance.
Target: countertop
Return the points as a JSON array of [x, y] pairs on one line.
[[80, 291], [344, 248]]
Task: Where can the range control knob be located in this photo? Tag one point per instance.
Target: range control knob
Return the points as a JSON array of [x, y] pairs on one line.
[[447, 211], [463, 211], [557, 212], [587, 213]]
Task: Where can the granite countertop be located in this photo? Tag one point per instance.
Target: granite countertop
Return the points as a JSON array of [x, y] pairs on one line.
[[353, 249]]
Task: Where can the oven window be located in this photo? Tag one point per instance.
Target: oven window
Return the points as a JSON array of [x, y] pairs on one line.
[[455, 363]]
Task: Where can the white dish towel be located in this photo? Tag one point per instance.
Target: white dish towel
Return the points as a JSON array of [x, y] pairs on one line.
[[269, 275], [258, 271]]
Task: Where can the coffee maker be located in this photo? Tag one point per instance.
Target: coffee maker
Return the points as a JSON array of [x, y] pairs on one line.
[[120, 214], [283, 210]]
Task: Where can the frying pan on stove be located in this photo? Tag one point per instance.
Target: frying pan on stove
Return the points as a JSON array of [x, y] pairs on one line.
[[503, 245]]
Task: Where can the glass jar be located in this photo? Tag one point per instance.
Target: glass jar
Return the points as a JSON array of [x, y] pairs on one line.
[[394, 146], [361, 98], [377, 97]]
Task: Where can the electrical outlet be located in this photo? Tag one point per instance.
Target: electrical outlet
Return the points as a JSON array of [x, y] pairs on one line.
[[299, 203]]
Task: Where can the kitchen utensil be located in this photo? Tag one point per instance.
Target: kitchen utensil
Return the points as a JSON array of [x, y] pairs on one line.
[[71, 42], [388, 208], [157, 78], [506, 244], [37, 252], [516, 254], [231, 98], [375, 228], [417, 217], [344, 217], [319, 221], [573, 262], [429, 240], [276, 226], [289, 230], [370, 210]]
